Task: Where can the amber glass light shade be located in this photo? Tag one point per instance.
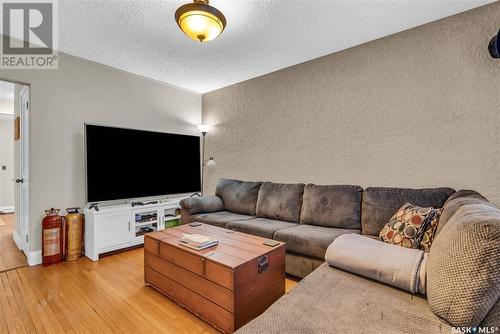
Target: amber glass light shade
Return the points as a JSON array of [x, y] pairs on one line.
[[200, 21]]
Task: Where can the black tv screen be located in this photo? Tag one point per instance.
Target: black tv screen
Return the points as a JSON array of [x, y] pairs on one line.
[[126, 164]]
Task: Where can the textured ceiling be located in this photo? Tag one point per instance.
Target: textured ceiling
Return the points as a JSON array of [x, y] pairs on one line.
[[261, 35]]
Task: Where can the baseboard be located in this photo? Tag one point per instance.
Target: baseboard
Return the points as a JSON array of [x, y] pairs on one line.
[[17, 240], [7, 209], [35, 257]]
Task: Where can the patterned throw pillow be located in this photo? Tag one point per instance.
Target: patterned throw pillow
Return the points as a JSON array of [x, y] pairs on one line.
[[411, 227], [425, 243]]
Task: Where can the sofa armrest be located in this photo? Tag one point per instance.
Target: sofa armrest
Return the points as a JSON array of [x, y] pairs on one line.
[[205, 204], [393, 265]]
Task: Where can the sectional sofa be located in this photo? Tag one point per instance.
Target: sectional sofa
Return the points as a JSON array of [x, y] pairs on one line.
[[307, 218], [462, 268]]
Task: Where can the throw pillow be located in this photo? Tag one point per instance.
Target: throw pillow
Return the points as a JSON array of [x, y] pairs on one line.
[[430, 233], [411, 225]]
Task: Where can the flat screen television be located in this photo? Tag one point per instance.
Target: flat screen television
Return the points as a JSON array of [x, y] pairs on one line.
[[130, 164]]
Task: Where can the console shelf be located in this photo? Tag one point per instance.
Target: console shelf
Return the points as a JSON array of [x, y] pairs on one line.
[[122, 226]]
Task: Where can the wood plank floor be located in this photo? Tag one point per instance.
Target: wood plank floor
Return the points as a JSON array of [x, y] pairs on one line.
[[10, 256], [108, 296]]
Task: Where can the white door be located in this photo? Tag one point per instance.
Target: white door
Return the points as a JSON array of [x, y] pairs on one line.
[[23, 178]]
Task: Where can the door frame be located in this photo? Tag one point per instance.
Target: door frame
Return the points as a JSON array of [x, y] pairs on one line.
[[25, 129], [23, 172]]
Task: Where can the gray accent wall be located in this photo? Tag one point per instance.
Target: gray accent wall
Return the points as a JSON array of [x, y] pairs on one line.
[[83, 91], [420, 108]]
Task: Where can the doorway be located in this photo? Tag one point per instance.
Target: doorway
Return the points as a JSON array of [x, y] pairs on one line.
[[14, 196]]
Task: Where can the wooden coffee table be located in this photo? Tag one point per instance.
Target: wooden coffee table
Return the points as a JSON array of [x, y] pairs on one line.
[[226, 285]]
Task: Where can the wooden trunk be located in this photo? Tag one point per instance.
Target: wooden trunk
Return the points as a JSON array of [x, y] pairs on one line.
[[225, 285]]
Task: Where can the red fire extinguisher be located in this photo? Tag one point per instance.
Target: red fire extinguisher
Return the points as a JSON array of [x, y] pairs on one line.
[[52, 237]]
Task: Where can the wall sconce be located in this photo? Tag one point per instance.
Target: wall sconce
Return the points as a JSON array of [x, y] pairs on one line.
[[211, 162]]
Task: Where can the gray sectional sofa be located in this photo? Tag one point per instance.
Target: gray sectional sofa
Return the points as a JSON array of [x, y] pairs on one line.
[[462, 269], [307, 218]]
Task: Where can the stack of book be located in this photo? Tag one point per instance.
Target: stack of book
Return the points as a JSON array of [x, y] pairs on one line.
[[197, 241]]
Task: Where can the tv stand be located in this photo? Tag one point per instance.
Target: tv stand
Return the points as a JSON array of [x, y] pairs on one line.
[[116, 227]]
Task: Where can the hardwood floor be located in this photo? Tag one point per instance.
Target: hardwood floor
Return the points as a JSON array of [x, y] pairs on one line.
[[82, 296], [10, 256]]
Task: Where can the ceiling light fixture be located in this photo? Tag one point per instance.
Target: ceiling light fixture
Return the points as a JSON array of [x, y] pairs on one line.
[[200, 21]]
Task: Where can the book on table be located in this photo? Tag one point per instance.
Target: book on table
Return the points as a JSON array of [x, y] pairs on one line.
[[197, 241]]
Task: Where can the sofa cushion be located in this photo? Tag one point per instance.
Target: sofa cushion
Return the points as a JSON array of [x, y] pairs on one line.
[[280, 201], [299, 265], [261, 227], [310, 240], [455, 201], [238, 196], [330, 300], [219, 219], [493, 317], [332, 206], [379, 204], [463, 281]]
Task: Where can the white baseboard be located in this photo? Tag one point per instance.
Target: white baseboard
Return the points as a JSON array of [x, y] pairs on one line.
[[17, 240], [35, 257], [7, 209]]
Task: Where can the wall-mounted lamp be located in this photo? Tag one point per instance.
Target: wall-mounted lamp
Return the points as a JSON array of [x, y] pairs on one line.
[[204, 129], [211, 162]]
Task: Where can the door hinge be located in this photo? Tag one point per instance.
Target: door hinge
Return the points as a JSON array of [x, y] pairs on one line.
[[27, 238]]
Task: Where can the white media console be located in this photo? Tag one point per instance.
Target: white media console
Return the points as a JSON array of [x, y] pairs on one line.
[[121, 226]]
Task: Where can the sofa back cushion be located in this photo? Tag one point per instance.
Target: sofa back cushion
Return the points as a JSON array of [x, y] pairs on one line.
[[379, 204], [332, 206], [280, 201], [455, 201], [463, 281], [238, 196]]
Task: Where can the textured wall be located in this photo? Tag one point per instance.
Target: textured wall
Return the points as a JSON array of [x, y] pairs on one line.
[[82, 91], [418, 109]]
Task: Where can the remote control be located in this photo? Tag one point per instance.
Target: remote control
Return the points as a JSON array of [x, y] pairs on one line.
[[271, 243]]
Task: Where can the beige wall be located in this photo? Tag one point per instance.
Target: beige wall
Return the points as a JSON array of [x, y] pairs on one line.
[[417, 109], [82, 91]]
